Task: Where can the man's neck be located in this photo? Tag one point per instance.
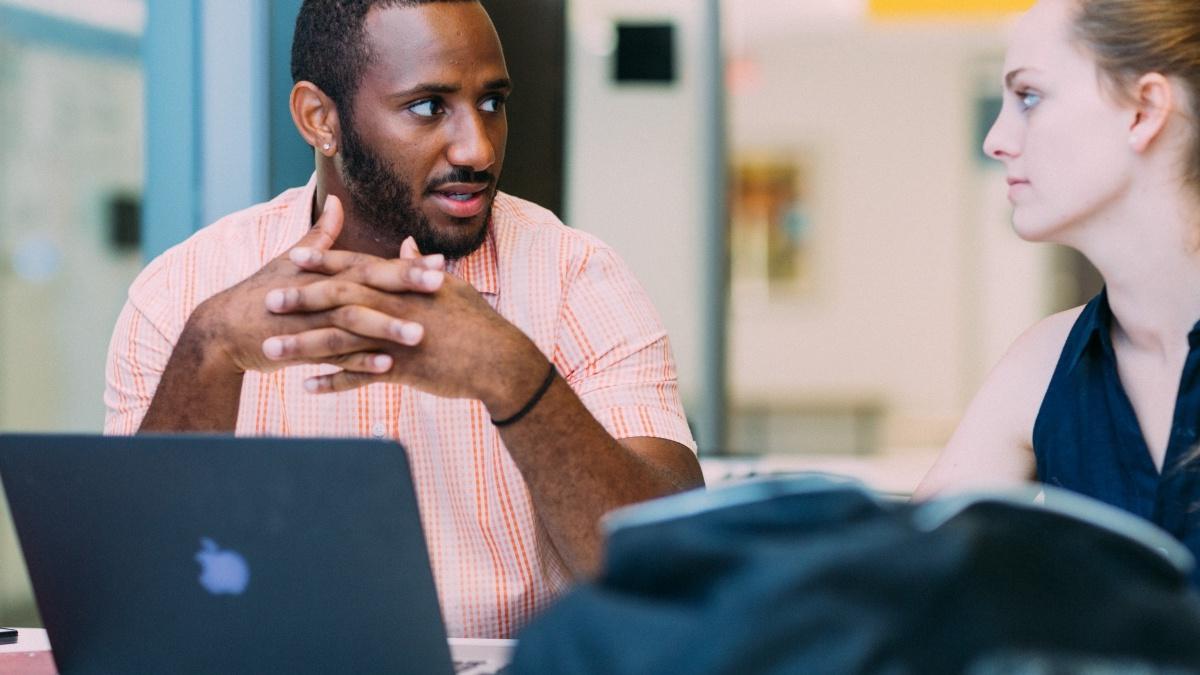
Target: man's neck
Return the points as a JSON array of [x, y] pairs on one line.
[[357, 235]]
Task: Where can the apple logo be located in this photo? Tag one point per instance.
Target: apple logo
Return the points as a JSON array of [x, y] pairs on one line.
[[222, 572]]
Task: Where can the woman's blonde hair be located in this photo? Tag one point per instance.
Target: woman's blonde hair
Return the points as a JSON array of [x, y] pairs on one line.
[[1131, 38]]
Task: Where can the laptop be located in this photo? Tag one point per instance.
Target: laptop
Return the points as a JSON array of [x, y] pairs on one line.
[[215, 554]]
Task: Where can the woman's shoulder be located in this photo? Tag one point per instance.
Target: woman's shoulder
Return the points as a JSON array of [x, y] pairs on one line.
[[993, 445], [1023, 374], [1042, 343]]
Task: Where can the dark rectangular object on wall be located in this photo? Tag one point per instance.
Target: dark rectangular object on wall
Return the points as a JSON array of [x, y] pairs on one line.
[[533, 33], [645, 53], [124, 221]]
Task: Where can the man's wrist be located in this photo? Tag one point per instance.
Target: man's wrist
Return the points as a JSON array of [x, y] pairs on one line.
[[551, 375], [514, 382]]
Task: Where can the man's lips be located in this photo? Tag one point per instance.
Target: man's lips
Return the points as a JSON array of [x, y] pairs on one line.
[[460, 200]]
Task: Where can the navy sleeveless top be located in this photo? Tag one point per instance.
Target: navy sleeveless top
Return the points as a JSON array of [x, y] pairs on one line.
[[1087, 438]]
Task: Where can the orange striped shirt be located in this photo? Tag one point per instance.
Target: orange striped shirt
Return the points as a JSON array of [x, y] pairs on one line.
[[493, 561]]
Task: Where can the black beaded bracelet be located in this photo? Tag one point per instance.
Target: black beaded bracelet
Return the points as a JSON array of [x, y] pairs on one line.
[[537, 396]]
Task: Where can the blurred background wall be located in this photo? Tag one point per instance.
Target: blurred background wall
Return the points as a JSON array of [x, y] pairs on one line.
[[71, 177], [803, 197], [880, 121], [638, 175]]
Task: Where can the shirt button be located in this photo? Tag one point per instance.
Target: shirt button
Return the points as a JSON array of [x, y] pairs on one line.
[[379, 430]]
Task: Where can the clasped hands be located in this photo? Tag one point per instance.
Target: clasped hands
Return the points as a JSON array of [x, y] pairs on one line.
[[402, 320]]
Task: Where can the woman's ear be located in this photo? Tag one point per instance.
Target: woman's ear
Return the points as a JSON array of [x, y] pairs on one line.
[[1155, 99], [316, 118]]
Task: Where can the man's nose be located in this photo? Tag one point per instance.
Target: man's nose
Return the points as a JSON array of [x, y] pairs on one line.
[[470, 144]]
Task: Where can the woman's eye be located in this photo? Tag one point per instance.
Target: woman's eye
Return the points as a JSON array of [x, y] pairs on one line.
[[1028, 99], [427, 108]]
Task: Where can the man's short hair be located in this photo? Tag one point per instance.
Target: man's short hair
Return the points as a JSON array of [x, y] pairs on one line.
[[329, 47]]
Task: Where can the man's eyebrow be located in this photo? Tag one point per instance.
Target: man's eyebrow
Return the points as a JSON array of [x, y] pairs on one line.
[[443, 88], [425, 88]]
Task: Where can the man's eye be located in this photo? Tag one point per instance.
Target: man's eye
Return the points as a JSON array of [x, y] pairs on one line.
[[492, 104], [427, 108]]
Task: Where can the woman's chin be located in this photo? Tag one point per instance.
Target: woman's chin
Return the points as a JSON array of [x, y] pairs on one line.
[[1033, 230]]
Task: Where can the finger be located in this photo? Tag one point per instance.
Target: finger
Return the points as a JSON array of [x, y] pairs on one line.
[[340, 381], [328, 262], [317, 345], [337, 262], [361, 362], [364, 322], [369, 323], [396, 276], [328, 227], [323, 295], [364, 362], [363, 286], [409, 249]]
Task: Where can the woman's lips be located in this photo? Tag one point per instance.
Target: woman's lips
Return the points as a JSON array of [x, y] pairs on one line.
[[1016, 186]]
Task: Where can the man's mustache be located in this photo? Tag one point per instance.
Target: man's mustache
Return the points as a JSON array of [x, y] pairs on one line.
[[461, 176]]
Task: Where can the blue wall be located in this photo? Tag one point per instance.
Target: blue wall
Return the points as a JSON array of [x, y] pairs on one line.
[[220, 135]]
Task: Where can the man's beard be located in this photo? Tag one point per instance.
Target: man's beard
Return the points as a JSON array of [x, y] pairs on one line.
[[387, 204]]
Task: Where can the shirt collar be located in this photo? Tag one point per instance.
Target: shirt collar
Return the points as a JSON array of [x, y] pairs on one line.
[[1096, 322], [299, 207], [480, 268]]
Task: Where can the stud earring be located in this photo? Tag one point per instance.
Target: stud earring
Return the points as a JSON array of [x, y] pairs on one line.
[[326, 147]]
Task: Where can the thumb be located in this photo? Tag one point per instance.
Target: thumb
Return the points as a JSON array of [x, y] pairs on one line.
[[409, 249], [327, 228]]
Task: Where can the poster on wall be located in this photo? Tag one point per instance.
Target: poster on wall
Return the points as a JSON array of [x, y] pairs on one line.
[[771, 234]]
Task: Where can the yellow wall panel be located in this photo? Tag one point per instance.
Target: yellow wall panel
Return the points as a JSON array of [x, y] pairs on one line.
[[900, 9]]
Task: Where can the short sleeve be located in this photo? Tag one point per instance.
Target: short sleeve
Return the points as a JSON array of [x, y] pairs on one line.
[[137, 357], [615, 354]]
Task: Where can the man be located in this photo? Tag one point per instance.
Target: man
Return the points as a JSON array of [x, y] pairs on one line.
[[518, 360]]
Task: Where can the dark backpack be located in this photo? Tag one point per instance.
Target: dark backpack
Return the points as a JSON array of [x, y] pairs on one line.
[[813, 575]]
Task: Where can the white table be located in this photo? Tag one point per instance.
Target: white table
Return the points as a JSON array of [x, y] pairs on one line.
[[31, 654]]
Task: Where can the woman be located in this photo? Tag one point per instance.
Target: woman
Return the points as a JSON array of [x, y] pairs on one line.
[[1100, 136]]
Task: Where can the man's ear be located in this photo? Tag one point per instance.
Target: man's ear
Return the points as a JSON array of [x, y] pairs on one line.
[[316, 117], [1155, 98]]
